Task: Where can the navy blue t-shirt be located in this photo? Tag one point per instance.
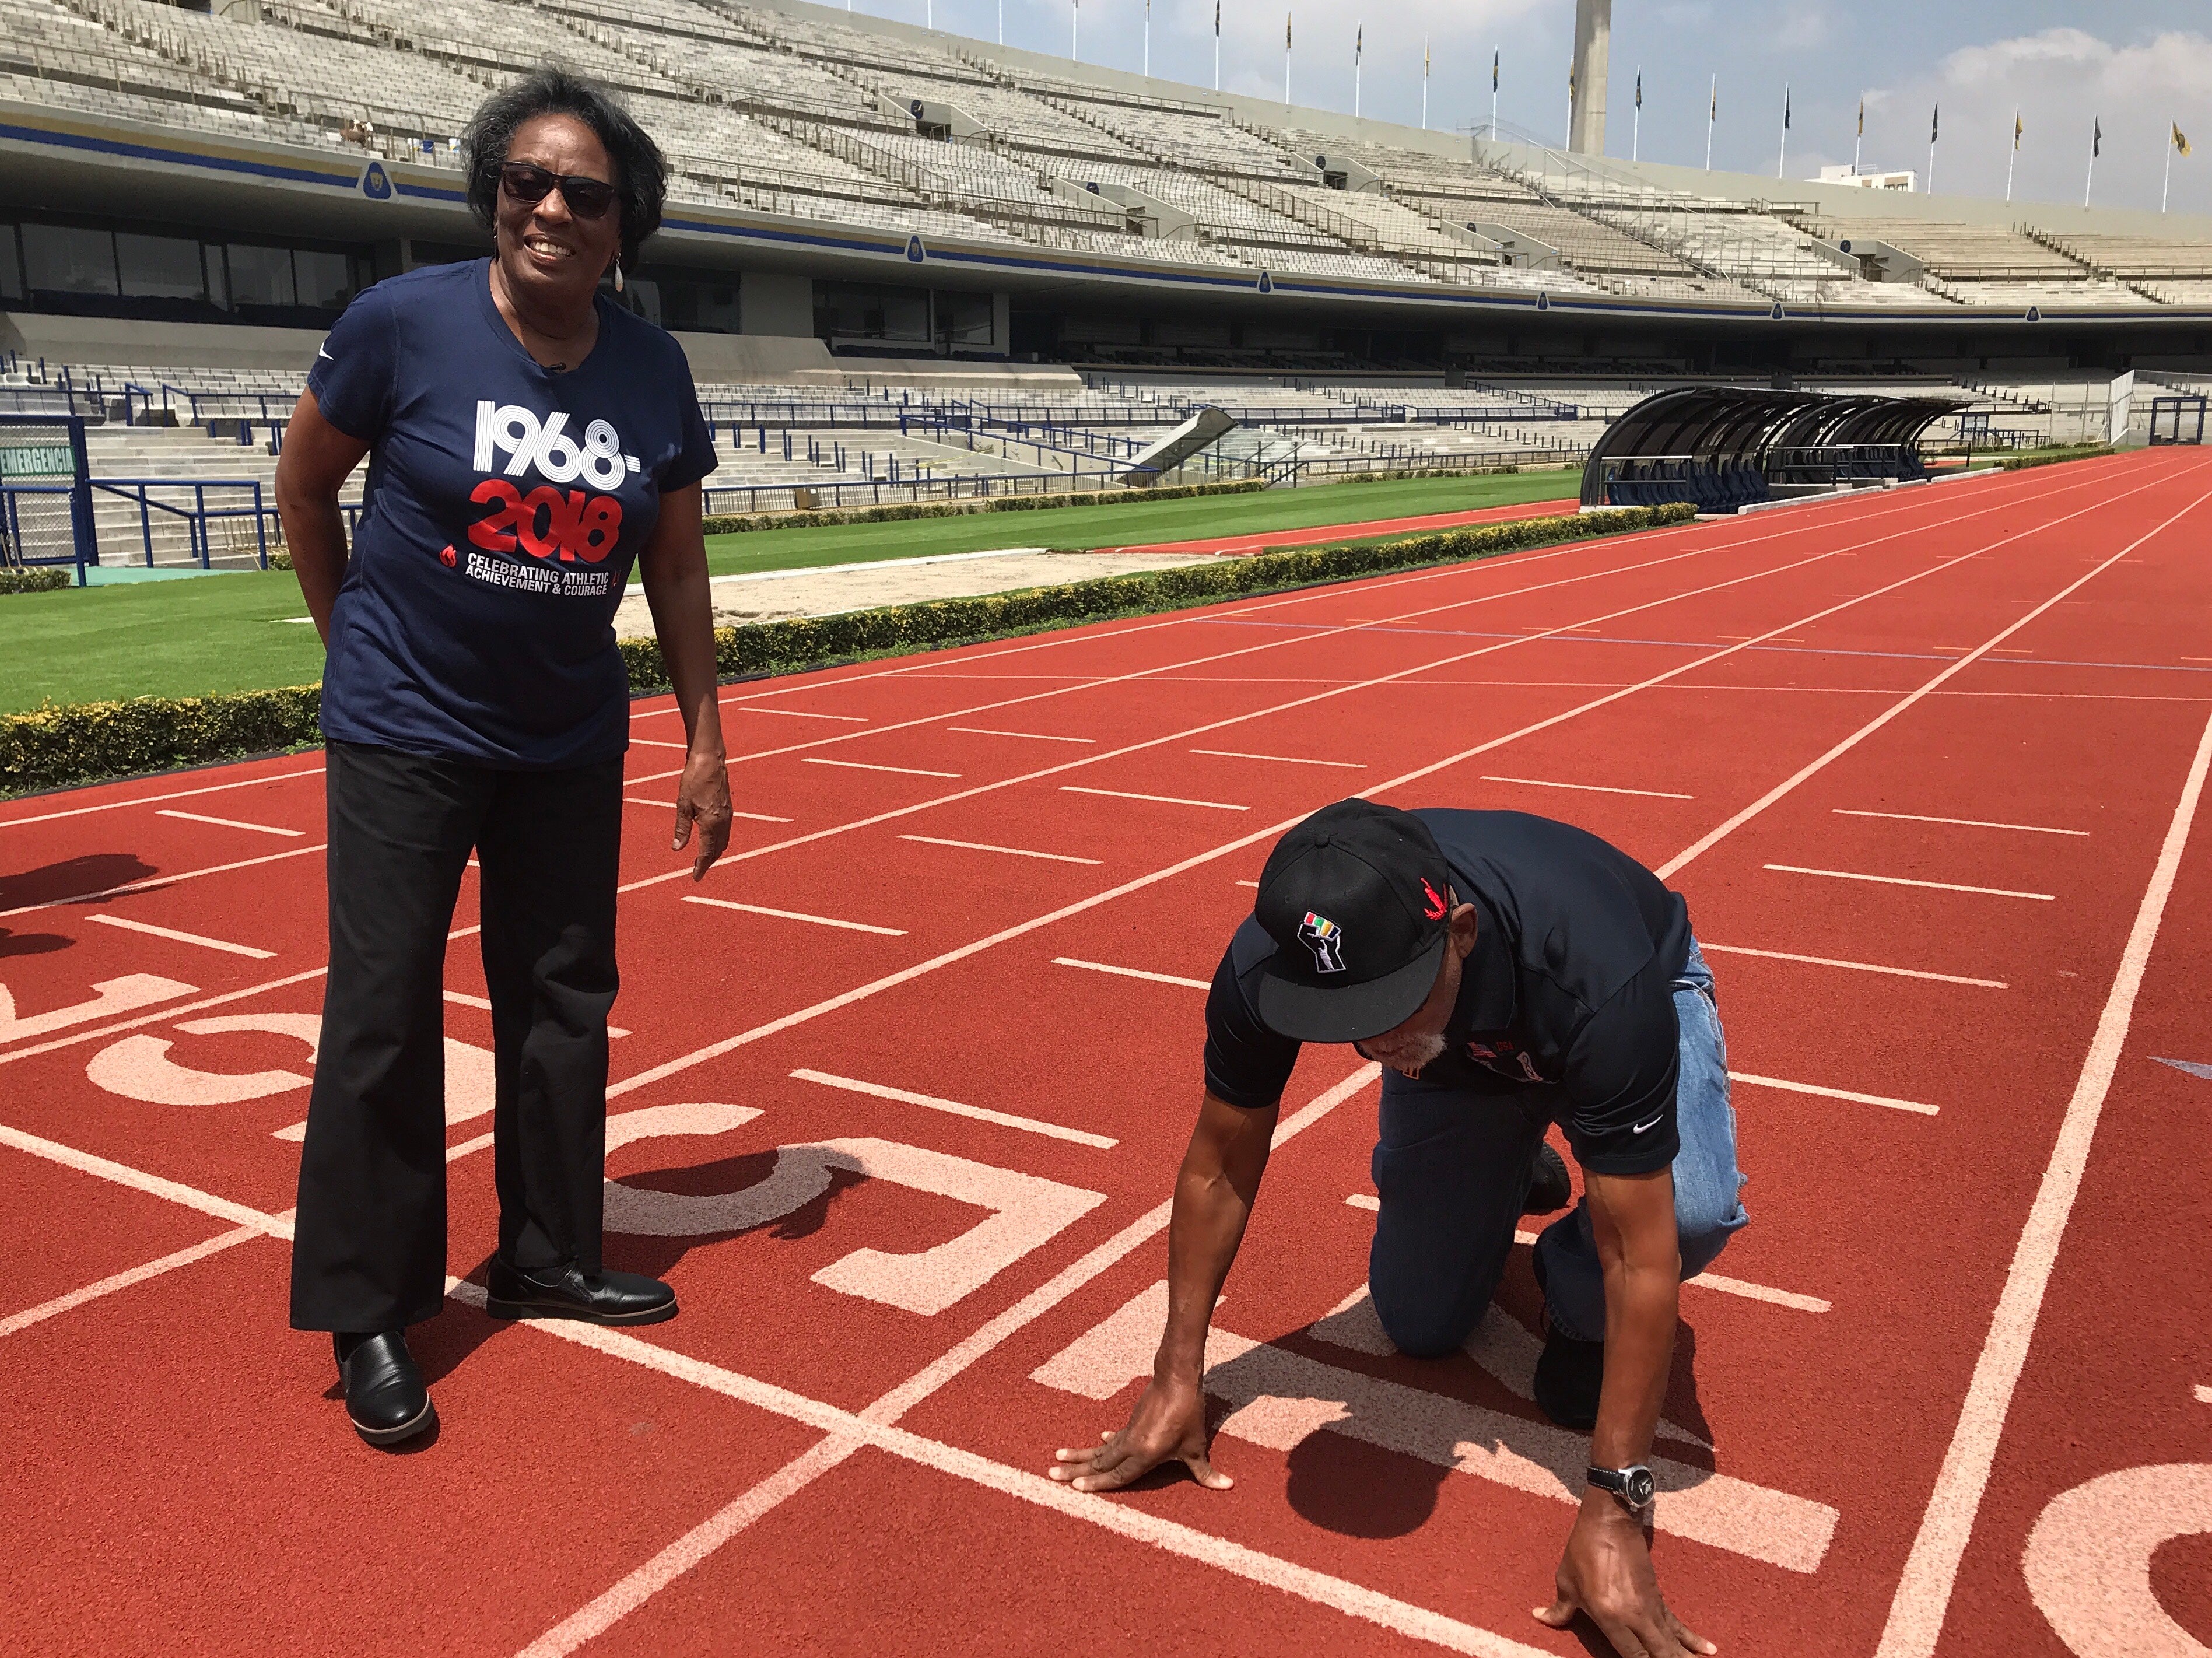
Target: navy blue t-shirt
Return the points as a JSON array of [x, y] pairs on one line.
[[1568, 996], [504, 505]]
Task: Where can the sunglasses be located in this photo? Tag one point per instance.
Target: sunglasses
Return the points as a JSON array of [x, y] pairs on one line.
[[587, 199]]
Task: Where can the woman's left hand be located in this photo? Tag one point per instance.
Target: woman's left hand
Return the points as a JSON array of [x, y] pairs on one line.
[[703, 798]]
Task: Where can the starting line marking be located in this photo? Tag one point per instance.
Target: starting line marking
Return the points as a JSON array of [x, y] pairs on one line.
[[231, 823], [658, 743], [2203, 1395], [801, 713], [1281, 759], [1963, 823], [1906, 881], [1158, 799], [1861, 967], [981, 1114], [1012, 851], [125, 1279], [1832, 1093], [1133, 972], [862, 765], [171, 933], [669, 805], [1034, 737], [796, 916], [1588, 788]]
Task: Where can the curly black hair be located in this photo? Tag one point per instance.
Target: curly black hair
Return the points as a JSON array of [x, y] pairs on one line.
[[641, 171]]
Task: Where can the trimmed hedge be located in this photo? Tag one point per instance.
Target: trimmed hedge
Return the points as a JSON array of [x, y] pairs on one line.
[[731, 524], [2078, 452], [34, 579], [815, 642], [54, 747]]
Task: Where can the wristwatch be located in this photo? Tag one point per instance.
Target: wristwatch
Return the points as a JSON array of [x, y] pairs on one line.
[[1633, 1487]]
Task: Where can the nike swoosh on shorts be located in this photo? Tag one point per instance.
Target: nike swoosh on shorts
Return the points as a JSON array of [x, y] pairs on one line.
[[1641, 1127]]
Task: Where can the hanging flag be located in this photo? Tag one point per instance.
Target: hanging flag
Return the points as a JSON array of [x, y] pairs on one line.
[[1216, 18], [1713, 113], [1786, 109], [2016, 129], [2096, 137], [1286, 31], [1639, 88], [2180, 138], [1493, 65], [1935, 122], [1862, 115], [1358, 42], [1571, 83]]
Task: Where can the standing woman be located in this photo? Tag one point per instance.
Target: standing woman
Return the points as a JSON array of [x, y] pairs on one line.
[[527, 440]]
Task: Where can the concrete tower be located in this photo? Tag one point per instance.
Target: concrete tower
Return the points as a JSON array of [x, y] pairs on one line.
[[1593, 36]]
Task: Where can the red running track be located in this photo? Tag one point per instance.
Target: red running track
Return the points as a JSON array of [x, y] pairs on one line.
[[1928, 768], [1274, 540]]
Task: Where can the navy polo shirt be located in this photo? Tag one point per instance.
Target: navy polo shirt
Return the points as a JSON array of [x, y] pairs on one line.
[[1569, 992], [504, 505]]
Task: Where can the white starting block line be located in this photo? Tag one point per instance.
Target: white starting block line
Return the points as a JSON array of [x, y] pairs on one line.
[[1278, 1398]]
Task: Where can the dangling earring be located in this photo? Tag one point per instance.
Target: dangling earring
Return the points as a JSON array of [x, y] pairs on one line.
[[618, 281]]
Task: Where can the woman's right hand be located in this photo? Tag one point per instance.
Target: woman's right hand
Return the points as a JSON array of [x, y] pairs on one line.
[[1169, 1423]]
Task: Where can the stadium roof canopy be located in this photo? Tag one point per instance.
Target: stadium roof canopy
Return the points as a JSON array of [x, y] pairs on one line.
[[1725, 428]]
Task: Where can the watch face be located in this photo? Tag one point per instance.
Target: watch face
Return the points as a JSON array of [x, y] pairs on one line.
[[1641, 1487]]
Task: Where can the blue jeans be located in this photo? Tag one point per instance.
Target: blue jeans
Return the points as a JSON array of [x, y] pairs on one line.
[[1452, 1167]]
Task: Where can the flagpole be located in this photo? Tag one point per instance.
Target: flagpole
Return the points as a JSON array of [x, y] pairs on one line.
[[1935, 126], [2096, 143], [1635, 131], [1493, 89], [1359, 43], [1859, 141], [1286, 60], [1217, 43], [1425, 87], [1712, 114], [1002, 21], [2167, 183], [2014, 155], [1075, 31], [1148, 40], [1785, 155]]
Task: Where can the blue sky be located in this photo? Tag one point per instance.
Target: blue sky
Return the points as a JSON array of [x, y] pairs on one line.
[[2136, 65]]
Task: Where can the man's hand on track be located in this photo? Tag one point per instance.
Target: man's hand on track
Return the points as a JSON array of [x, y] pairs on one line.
[[1607, 1572], [1169, 1423]]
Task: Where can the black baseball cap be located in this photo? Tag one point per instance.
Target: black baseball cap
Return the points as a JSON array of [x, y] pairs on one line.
[[1357, 901]]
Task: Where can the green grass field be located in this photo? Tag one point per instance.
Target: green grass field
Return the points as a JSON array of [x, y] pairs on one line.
[[234, 633]]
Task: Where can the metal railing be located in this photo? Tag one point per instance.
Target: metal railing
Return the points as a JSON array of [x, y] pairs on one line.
[[198, 518]]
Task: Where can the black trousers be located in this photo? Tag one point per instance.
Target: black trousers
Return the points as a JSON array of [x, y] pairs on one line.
[[368, 1251]]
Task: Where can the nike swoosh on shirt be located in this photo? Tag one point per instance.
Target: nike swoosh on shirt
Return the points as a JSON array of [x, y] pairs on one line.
[[1641, 1127], [324, 354]]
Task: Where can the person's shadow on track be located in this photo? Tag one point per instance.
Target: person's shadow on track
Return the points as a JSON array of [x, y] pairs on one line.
[[73, 877]]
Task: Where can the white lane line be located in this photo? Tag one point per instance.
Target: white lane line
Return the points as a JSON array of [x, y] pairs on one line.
[[85, 1163], [597, 1616], [1832, 1093], [1249, 884], [482, 1004], [2203, 1395], [1281, 759], [1857, 967], [1905, 881], [796, 916], [149, 928], [1963, 823], [657, 742], [798, 713], [1012, 851], [1588, 788], [862, 765], [123, 1280], [1730, 1286], [154, 882], [1931, 1570], [669, 805], [231, 822], [954, 1107], [1749, 1291], [148, 799], [1721, 831], [1132, 973], [1034, 737], [1158, 799]]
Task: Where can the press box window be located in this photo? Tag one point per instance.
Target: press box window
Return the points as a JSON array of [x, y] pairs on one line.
[[261, 275], [11, 264], [159, 267], [963, 319], [66, 260]]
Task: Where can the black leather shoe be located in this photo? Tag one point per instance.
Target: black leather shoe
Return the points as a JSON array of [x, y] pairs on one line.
[[385, 1395], [1569, 1375], [1549, 1188], [565, 1292]]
